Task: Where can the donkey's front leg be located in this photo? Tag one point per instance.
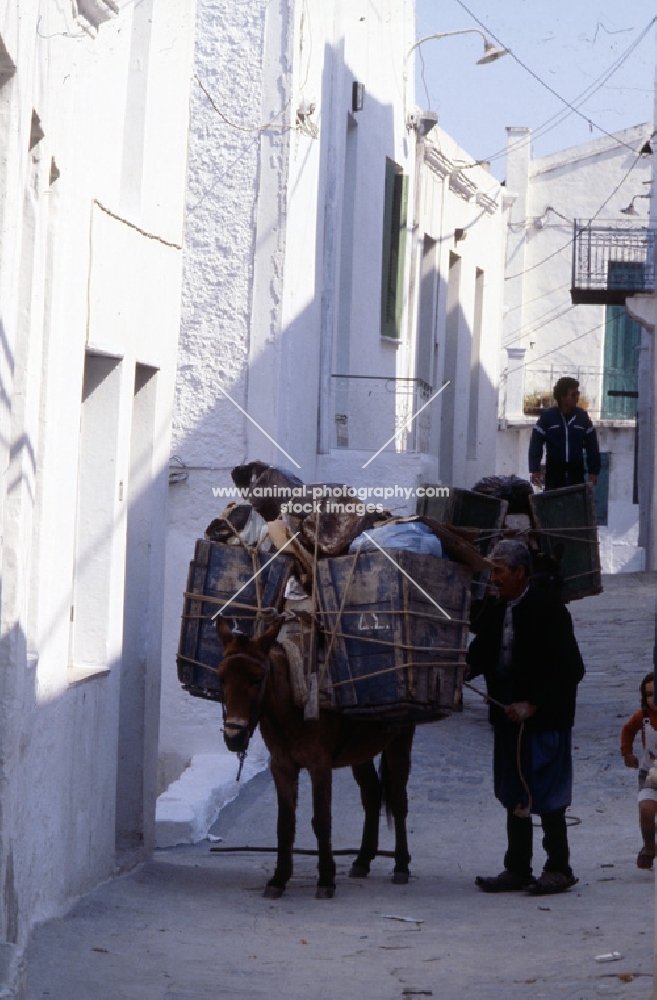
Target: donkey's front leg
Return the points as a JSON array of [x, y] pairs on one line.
[[322, 778], [286, 780]]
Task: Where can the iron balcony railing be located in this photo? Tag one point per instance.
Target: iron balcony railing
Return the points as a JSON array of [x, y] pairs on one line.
[[606, 393], [611, 260], [370, 409]]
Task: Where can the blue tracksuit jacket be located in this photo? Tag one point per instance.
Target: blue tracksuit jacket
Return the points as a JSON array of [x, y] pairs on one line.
[[565, 439]]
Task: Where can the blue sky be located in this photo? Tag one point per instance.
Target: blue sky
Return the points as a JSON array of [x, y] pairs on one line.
[[569, 44]]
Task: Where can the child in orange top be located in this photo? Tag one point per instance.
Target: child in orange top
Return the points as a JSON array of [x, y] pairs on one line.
[[644, 721]]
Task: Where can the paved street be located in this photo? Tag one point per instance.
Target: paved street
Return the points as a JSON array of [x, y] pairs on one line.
[[192, 925]]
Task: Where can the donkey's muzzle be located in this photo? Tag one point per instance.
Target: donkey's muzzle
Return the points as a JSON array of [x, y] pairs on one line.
[[236, 736]]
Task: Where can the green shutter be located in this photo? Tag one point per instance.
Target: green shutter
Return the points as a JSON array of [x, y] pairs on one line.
[[387, 329], [393, 251], [621, 364], [622, 340], [402, 183]]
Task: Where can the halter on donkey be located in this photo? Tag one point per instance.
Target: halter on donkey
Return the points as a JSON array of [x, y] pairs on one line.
[[255, 678]]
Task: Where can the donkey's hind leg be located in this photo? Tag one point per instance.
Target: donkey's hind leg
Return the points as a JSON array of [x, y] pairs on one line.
[[286, 779], [322, 779], [370, 796], [395, 771]]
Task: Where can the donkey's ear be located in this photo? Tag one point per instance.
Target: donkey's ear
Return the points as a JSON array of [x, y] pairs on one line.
[[224, 630], [268, 638]]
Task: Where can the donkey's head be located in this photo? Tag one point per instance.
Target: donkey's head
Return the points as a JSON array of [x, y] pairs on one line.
[[243, 673]]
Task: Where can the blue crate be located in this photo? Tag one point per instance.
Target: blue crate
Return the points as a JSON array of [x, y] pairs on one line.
[[215, 575], [391, 653]]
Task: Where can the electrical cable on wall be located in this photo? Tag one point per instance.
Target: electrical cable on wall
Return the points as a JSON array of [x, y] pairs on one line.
[[518, 335], [303, 123], [549, 291], [570, 242], [272, 123], [554, 350]]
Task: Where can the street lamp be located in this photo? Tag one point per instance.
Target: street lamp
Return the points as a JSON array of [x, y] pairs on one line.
[[630, 209], [491, 51]]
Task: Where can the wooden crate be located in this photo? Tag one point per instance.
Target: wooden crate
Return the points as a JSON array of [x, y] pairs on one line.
[[215, 575], [567, 517], [394, 654], [467, 509]]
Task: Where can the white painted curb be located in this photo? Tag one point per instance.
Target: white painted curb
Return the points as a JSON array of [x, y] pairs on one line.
[[190, 805]]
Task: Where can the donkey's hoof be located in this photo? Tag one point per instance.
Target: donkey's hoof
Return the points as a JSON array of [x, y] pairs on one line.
[[358, 871], [273, 891], [325, 892], [400, 878]]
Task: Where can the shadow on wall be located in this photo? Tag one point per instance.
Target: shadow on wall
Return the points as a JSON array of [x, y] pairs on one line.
[[285, 364], [274, 359], [78, 758]]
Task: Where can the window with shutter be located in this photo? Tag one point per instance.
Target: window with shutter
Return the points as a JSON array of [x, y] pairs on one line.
[[622, 340], [394, 247]]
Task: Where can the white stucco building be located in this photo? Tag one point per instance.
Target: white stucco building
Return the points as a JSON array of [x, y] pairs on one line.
[[93, 133], [546, 335], [643, 309], [340, 267], [457, 319]]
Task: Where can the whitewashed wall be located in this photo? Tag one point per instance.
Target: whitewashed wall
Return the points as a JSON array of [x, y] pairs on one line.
[[591, 181], [463, 211], [90, 262], [282, 288], [263, 292], [643, 308], [241, 63]]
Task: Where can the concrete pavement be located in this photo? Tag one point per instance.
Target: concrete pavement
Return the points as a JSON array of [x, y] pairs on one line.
[[192, 925]]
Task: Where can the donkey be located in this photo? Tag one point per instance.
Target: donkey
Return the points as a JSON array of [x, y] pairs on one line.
[[255, 678]]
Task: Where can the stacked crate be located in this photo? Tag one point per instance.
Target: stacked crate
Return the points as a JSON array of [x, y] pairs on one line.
[[219, 574], [395, 633]]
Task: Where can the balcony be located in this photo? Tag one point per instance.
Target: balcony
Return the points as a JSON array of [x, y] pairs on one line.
[[605, 393], [611, 261], [369, 409]]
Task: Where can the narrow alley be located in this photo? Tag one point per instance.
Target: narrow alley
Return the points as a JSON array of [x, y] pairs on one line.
[[192, 923]]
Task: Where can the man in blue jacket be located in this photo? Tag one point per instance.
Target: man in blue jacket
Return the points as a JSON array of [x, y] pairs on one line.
[[567, 432]]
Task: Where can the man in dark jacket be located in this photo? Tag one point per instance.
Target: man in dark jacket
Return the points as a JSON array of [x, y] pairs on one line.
[[526, 649], [567, 432]]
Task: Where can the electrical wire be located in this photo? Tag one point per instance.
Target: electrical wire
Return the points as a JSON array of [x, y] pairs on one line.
[[555, 120], [541, 321], [570, 242], [305, 127], [272, 123], [555, 253], [542, 82], [220, 178], [550, 291], [554, 350]]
